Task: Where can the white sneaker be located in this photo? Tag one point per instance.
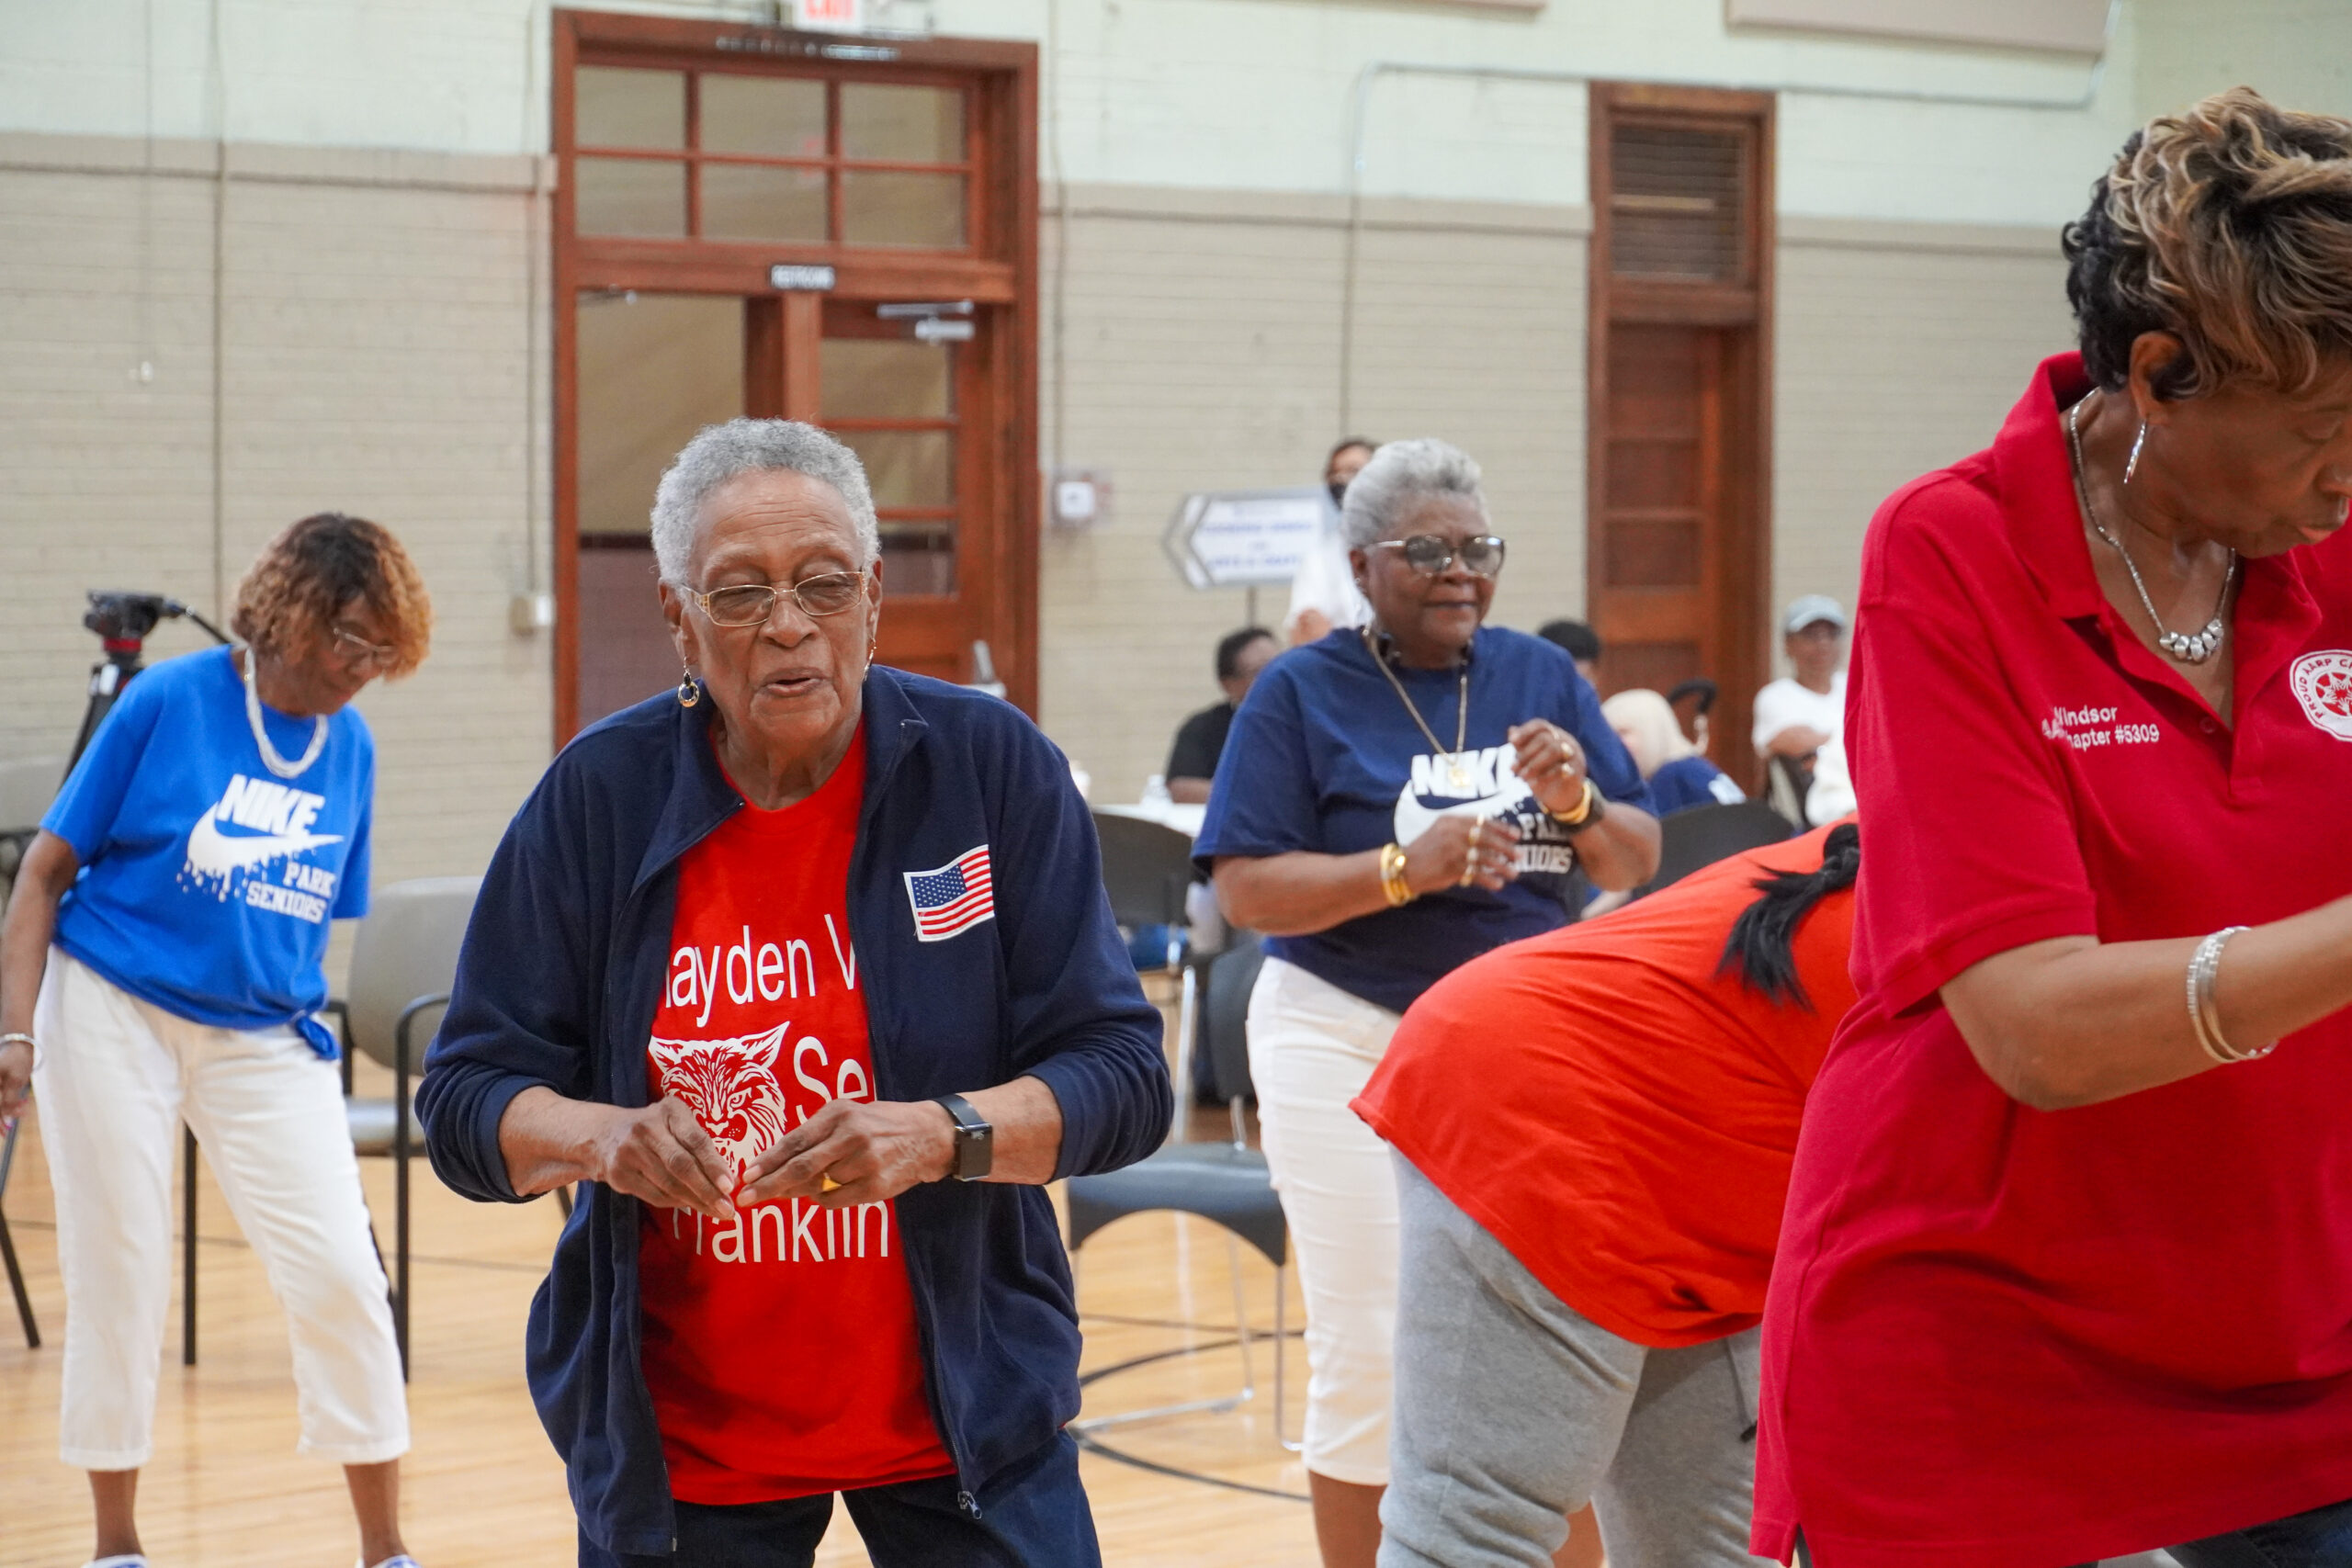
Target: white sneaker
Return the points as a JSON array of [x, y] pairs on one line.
[[402, 1561], [127, 1559]]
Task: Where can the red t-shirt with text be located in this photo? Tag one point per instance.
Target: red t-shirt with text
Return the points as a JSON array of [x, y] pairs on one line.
[[781, 1350]]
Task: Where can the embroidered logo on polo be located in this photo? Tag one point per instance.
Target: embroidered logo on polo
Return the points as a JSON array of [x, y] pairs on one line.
[[1482, 784], [2088, 728], [2323, 683]]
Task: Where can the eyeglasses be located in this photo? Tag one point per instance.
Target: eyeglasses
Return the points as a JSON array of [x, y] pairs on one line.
[[356, 652], [1431, 554], [750, 604]]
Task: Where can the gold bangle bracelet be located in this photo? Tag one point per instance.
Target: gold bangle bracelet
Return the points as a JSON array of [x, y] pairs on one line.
[[1584, 807], [1393, 885]]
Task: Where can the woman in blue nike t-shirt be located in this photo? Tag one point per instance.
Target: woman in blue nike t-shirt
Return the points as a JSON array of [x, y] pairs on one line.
[[1395, 800], [160, 960]]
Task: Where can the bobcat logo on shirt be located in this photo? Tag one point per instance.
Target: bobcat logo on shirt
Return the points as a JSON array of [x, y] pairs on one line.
[[2323, 683], [731, 1087]]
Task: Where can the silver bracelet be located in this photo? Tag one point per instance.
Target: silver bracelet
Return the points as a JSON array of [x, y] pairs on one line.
[[17, 1037], [2205, 1012]]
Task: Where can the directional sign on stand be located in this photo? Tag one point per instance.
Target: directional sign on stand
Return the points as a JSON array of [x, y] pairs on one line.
[[1245, 538]]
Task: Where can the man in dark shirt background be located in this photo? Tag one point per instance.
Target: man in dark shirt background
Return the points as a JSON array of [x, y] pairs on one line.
[[1192, 763]]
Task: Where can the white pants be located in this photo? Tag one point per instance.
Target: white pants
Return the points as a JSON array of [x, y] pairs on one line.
[[113, 1078], [1312, 1049]]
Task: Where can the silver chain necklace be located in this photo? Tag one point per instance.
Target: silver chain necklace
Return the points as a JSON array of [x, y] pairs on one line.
[[2185, 647], [269, 757]]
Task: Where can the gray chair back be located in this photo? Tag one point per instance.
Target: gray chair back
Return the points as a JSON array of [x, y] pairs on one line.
[[1705, 834], [1146, 868], [1232, 975], [406, 947], [27, 787]]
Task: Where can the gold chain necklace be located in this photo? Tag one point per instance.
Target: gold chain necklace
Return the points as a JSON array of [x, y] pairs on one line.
[[1457, 769]]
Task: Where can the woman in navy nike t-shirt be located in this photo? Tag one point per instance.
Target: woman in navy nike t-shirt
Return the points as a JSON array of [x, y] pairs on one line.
[[1395, 800], [161, 962]]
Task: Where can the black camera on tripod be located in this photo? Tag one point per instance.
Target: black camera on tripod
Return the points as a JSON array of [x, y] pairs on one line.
[[124, 618]]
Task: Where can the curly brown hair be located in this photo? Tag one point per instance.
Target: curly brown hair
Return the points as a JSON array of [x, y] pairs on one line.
[[302, 580], [2229, 226]]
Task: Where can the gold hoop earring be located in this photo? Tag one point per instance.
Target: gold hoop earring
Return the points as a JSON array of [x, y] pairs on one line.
[[2132, 464], [689, 689]]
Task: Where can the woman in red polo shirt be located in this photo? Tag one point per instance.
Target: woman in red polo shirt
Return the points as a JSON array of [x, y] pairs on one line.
[[2067, 1271], [1592, 1132]]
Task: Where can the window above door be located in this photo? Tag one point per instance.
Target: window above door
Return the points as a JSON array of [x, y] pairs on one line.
[[731, 156]]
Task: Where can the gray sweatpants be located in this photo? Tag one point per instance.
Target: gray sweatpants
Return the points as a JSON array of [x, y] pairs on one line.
[[1513, 1411]]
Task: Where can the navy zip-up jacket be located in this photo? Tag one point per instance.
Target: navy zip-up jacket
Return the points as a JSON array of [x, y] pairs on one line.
[[562, 972]]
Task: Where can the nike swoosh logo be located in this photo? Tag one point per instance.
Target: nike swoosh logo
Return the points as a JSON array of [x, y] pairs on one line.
[[1413, 818], [212, 854]]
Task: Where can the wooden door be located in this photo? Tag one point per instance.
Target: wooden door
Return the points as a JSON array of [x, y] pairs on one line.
[[1678, 523], [751, 220], [909, 384]]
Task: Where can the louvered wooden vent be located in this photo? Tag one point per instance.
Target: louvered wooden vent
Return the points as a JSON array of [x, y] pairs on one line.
[[1674, 205]]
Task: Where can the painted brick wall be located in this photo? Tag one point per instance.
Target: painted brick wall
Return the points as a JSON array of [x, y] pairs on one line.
[[378, 359], [1900, 349]]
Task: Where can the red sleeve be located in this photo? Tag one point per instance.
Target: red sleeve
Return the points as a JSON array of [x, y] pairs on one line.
[[1970, 844]]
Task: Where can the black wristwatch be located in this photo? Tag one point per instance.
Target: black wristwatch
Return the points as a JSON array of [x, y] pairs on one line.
[[975, 1139]]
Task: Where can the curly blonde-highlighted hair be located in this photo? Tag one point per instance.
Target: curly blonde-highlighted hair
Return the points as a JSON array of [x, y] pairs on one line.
[[301, 581], [2229, 226]]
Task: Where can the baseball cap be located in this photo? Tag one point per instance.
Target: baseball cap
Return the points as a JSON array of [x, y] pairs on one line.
[[1810, 608]]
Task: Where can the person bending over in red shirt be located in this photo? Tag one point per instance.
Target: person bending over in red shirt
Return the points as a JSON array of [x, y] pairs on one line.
[[1593, 1131]]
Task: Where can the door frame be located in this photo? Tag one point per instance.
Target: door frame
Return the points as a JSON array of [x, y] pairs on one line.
[[999, 273], [1743, 565]]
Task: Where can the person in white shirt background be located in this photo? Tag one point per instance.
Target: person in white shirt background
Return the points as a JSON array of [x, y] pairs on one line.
[[1799, 714], [1323, 595]]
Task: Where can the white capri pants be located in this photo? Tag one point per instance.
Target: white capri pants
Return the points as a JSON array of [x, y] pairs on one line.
[[1312, 1049], [113, 1078]]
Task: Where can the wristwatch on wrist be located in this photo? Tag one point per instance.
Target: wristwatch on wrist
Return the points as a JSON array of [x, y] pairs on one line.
[[975, 1139]]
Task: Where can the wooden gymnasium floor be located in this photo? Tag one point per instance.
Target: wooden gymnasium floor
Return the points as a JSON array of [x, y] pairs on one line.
[[483, 1490]]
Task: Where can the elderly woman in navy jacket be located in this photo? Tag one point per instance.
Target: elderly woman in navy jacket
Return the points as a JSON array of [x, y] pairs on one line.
[[806, 973]]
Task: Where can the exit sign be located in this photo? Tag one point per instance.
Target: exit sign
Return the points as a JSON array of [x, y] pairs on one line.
[[828, 16]]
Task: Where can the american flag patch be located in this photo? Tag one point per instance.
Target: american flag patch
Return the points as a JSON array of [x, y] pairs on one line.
[[954, 899]]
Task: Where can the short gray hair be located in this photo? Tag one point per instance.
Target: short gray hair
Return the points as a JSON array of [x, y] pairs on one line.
[[722, 452], [1400, 473]]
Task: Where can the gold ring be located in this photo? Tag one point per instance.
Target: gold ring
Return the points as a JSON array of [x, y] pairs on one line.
[[825, 1182]]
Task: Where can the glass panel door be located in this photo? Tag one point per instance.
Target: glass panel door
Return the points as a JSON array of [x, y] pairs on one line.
[[653, 368]]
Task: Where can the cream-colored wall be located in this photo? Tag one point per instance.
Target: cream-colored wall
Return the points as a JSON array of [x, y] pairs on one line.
[[380, 358], [1901, 348], [1214, 94], [2297, 52]]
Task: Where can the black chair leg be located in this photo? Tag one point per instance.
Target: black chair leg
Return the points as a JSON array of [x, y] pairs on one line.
[[403, 1148], [8, 1243], [16, 1284], [187, 1246]]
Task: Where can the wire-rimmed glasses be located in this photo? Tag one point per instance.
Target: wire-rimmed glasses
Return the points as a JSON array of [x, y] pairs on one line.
[[356, 653], [750, 604]]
